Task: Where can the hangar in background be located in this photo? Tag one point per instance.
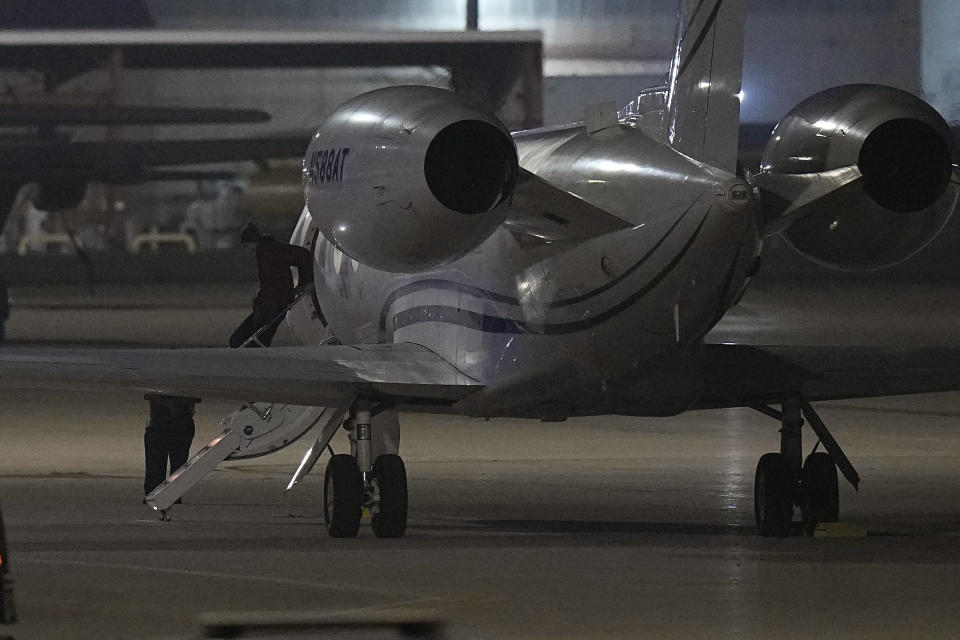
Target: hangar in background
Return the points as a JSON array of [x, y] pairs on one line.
[[295, 76], [616, 47]]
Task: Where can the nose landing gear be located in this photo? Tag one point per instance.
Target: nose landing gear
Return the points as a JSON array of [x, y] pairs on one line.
[[784, 480]]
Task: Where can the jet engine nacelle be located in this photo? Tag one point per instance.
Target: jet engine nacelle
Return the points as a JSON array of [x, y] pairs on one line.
[[858, 177], [407, 178]]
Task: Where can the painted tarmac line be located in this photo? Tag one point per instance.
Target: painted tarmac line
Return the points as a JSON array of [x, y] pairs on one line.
[[431, 604], [208, 574]]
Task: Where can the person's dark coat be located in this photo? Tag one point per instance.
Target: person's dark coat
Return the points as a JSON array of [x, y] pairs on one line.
[[274, 261]]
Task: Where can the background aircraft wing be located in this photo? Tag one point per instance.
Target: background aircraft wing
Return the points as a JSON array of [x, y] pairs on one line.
[[318, 376], [740, 374], [41, 114], [198, 49], [131, 161]]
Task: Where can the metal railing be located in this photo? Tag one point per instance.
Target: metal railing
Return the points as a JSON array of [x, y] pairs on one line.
[[300, 292]]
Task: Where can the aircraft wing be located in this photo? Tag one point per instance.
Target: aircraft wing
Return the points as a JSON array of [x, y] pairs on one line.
[[740, 375], [834, 336], [317, 376]]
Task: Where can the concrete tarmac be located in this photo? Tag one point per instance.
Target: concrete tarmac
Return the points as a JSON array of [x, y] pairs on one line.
[[602, 528]]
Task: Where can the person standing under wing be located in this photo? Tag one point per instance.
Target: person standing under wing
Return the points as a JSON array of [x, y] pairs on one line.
[[168, 436]]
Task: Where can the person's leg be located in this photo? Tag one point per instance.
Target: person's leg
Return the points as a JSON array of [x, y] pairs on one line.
[[155, 459], [267, 314], [173, 467], [266, 337], [180, 445], [243, 332]]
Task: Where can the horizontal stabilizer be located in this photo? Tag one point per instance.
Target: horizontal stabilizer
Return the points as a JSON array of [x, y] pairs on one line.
[[543, 211]]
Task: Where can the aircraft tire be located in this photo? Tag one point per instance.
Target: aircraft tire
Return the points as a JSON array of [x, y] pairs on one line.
[[772, 498], [342, 497], [820, 490], [390, 520]]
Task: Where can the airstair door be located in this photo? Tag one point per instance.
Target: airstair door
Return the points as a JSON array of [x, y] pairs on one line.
[[253, 430]]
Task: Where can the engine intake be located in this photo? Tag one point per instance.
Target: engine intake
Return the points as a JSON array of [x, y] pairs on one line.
[[409, 178], [906, 165], [858, 177], [464, 166]]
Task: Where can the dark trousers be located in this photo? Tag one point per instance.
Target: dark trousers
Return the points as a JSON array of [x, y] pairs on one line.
[[264, 311], [163, 443]]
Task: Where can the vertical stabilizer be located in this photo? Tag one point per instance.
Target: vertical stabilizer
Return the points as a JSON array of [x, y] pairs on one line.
[[703, 104]]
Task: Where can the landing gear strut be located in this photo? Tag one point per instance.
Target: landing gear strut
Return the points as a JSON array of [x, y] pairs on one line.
[[357, 483], [784, 480]]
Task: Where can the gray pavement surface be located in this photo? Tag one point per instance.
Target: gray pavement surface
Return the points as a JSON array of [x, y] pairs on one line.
[[594, 528], [126, 315]]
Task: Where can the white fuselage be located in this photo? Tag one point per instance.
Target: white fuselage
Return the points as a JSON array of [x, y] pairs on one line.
[[607, 325]]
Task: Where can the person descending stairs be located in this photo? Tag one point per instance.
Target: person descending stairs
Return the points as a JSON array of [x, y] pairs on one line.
[[277, 292]]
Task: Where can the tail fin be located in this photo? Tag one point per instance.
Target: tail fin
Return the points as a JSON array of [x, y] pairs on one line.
[[703, 104]]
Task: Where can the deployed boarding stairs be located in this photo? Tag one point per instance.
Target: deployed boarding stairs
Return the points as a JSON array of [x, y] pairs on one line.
[[254, 430]]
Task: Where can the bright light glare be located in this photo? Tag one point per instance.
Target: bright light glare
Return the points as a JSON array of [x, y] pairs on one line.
[[360, 117], [741, 95]]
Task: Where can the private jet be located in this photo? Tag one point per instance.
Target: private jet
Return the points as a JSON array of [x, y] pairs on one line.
[[565, 271]]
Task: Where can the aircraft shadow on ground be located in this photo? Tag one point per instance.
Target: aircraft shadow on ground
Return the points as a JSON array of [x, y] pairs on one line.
[[616, 527]]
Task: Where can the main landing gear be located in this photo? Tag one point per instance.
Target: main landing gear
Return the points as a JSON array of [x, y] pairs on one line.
[[784, 480], [356, 482]]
